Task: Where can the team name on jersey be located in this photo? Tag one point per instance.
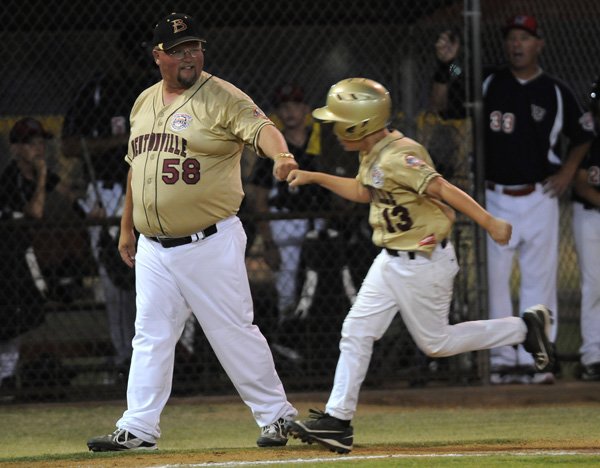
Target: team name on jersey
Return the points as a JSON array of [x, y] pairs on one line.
[[166, 142]]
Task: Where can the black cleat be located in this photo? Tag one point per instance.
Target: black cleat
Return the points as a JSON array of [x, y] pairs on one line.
[[537, 342], [273, 435], [333, 433], [591, 373], [118, 441]]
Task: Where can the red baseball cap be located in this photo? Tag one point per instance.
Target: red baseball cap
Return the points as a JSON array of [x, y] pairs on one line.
[[288, 93], [525, 22], [26, 129]]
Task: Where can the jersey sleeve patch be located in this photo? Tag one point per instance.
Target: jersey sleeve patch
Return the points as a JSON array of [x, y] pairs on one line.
[[587, 122], [377, 176], [259, 114], [413, 161]]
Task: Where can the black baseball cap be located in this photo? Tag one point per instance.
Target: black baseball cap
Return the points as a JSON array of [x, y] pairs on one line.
[[26, 129], [174, 30]]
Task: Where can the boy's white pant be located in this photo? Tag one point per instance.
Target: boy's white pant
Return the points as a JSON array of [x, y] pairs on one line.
[[421, 290]]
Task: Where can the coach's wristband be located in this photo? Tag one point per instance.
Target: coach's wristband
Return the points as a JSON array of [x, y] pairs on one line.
[[283, 155]]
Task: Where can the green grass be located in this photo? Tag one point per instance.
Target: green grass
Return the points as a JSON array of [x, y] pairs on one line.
[[34, 433]]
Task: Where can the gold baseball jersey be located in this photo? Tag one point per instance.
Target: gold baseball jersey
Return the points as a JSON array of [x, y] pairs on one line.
[[397, 172], [185, 157]]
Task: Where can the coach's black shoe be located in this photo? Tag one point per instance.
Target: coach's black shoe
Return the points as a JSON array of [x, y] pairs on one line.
[[333, 433], [537, 342], [591, 373], [273, 435], [119, 440]]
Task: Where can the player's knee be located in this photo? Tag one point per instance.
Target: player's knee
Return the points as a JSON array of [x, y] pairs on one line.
[[434, 348]]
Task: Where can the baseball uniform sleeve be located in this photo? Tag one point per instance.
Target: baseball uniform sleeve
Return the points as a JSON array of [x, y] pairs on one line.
[[240, 115], [579, 126]]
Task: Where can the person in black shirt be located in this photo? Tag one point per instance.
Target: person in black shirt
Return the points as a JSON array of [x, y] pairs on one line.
[[283, 238], [96, 132], [527, 110], [24, 184], [448, 87], [586, 231], [528, 113]]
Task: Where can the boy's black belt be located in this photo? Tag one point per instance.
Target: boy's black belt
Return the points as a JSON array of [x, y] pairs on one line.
[[168, 242], [411, 253]]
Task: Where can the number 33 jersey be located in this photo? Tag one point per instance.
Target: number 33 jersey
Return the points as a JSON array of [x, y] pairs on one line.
[[185, 157], [397, 172]]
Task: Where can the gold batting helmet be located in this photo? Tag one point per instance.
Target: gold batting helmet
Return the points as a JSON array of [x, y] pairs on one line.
[[357, 106]]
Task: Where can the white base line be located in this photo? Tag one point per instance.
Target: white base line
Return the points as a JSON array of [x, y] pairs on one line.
[[344, 458]]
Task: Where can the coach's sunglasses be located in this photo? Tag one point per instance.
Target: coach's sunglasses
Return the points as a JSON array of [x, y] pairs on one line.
[[180, 54]]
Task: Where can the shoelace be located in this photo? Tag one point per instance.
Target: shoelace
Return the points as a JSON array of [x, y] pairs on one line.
[[118, 433], [273, 427]]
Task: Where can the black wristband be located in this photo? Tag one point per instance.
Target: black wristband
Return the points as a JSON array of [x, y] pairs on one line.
[[442, 73]]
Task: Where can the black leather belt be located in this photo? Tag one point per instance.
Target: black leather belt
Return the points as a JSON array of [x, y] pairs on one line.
[[412, 253], [519, 191], [587, 206], [168, 242]]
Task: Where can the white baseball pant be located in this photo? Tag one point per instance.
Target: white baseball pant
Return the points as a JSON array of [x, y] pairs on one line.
[[210, 276], [421, 289], [586, 231], [534, 218]]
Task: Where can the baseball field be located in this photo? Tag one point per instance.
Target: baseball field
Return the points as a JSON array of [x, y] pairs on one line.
[[557, 425]]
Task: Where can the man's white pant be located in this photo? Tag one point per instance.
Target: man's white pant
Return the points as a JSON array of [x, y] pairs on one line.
[[210, 276], [534, 238], [586, 230], [421, 289]]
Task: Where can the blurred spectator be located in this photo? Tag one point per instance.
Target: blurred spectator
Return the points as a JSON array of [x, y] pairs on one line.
[[96, 130], [283, 238], [527, 111], [586, 231], [24, 184], [448, 89]]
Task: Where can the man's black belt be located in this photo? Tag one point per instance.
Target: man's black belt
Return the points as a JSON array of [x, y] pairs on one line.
[[587, 206], [168, 242], [411, 253]]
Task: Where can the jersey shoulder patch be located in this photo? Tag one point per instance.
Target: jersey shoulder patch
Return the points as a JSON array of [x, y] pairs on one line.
[[412, 161]]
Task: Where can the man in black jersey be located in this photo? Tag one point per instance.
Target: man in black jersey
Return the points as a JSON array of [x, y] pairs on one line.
[[526, 111]]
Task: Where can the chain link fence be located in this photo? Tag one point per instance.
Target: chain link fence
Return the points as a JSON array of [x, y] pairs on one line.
[[77, 66]]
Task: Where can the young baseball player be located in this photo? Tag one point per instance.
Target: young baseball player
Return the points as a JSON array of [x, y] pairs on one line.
[[183, 192], [411, 217]]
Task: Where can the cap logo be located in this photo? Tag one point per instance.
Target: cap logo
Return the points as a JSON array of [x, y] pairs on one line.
[[178, 25], [521, 20]]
